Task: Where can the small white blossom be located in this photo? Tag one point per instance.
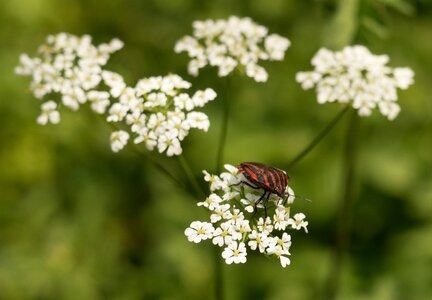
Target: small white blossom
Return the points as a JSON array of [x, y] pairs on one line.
[[356, 75], [280, 220], [249, 202], [211, 202], [215, 181], [235, 253], [49, 113], [198, 120], [199, 231], [119, 140], [242, 226], [298, 222], [230, 44], [99, 101], [221, 212], [280, 253], [117, 112], [225, 234], [265, 225], [284, 242], [236, 224], [258, 240]]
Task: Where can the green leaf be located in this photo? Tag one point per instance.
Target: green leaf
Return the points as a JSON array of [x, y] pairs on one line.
[[400, 5], [375, 27]]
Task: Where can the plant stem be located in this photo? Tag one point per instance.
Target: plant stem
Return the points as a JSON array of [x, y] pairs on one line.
[[191, 178], [152, 160], [345, 209], [318, 138], [160, 167], [218, 274], [224, 128]]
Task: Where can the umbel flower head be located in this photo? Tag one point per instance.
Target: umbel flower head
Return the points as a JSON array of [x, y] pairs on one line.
[[235, 225], [230, 44], [69, 66], [69, 70], [355, 75], [157, 111]]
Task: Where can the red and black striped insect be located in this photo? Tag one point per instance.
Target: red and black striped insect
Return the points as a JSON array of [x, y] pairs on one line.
[[270, 179]]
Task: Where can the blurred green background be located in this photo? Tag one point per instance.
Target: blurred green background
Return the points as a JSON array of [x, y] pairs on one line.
[[79, 222]]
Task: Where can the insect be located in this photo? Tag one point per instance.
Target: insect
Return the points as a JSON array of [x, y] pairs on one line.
[[270, 179]]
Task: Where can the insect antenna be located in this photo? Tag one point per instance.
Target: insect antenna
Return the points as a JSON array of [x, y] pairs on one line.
[[295, 197]]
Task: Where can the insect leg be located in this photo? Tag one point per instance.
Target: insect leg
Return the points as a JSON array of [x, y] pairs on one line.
[[257, 202], [265, 204], [248, 184]]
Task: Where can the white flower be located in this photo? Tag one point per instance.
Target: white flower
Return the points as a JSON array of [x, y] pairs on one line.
[[281, 254], [211, 202], [49, 113], [265, 226], [298, 222], [280, 220], [99, 101], [225, 234], [198, 231], [200, 98], [258, 240], [215, 182], [230, 44], [170, 143], [284, 242], [276, 46], [242, 226], [355, 75], [67, 65], [158, 111], [119, 140], [308, 79], [249, 202], [198, 120], [221, 212], [114, 81], [117, 112], [235, 253], [231, 213], [291, 195]]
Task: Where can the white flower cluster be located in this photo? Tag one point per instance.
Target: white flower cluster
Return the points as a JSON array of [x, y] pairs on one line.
[[232, 43], [70, 66], [355, 75], [157, 111], [235, 225]]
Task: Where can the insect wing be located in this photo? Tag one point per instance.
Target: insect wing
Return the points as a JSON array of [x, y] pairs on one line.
[[268, 178]]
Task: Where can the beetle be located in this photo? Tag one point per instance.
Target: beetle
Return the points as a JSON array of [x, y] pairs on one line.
[[271, 180]]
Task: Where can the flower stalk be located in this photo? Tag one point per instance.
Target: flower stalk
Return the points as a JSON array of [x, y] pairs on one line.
[[318, 138], [345, 214], [224, 127], [191, 178]]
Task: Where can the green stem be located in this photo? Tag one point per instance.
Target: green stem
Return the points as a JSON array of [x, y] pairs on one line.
[[224, 128], [191, 178], [160, 167], [345, 209], [152, 160], [218, 274], [318, 138]]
